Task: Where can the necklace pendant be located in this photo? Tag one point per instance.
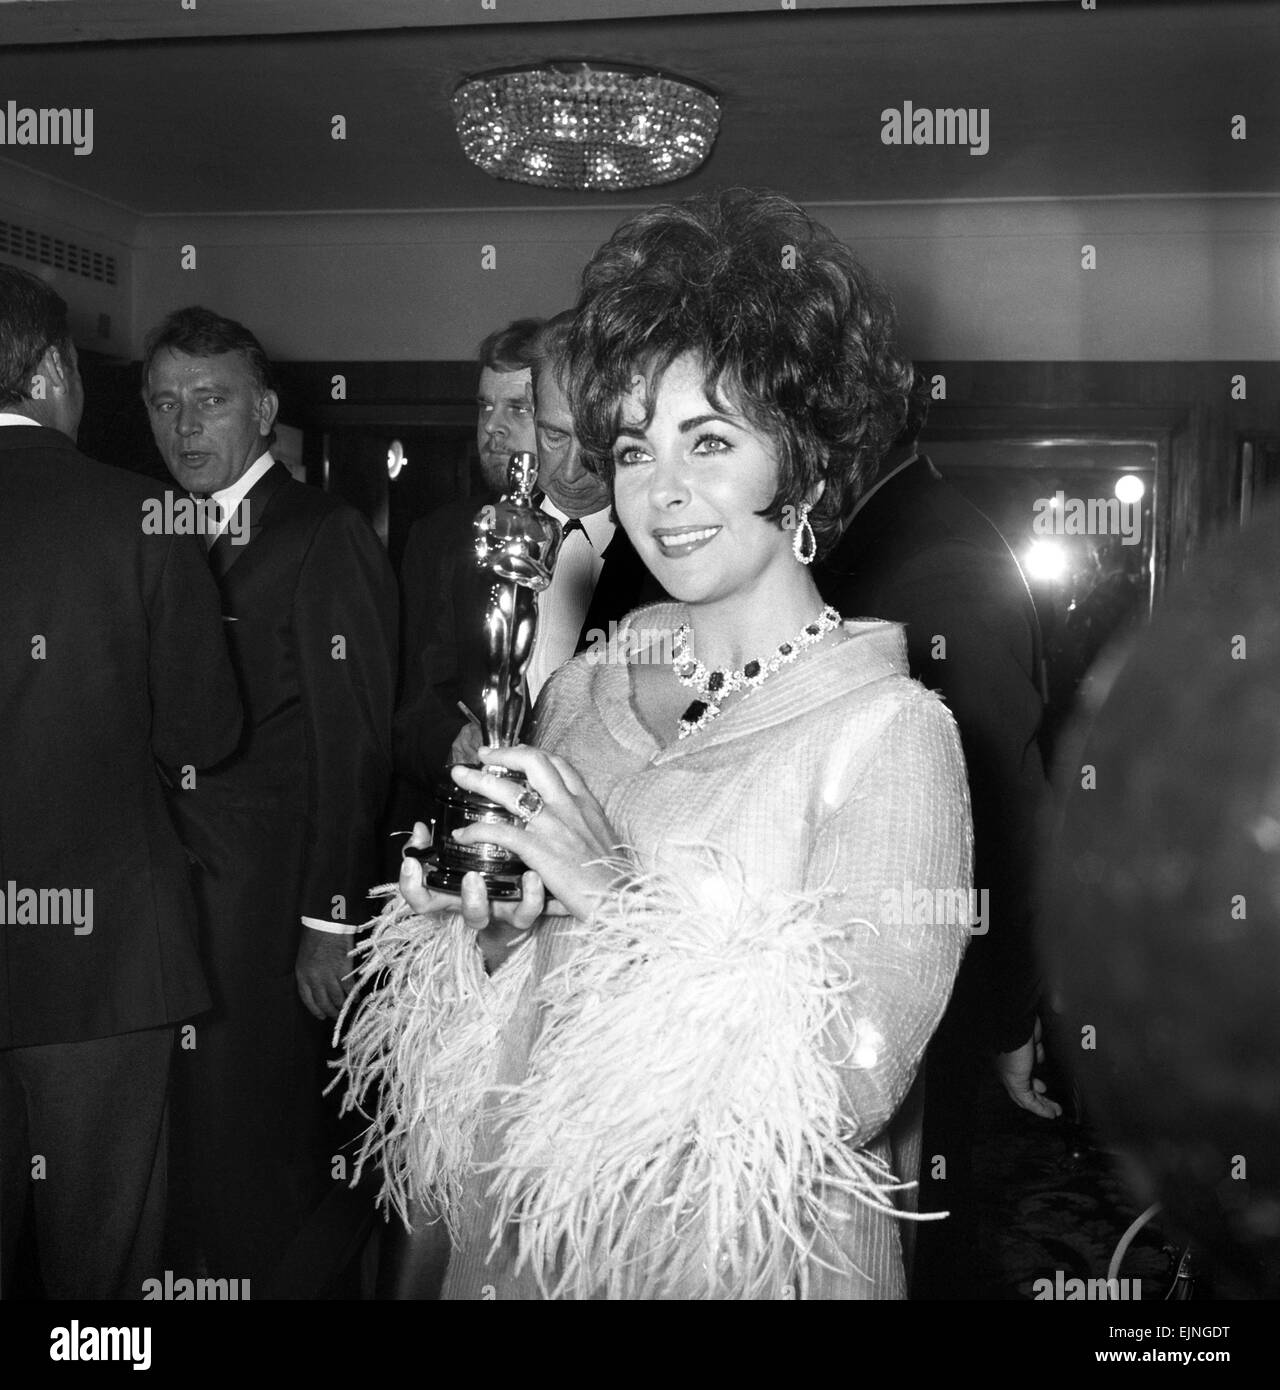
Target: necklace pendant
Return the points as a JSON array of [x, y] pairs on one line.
[[696, 712], [714, 686]]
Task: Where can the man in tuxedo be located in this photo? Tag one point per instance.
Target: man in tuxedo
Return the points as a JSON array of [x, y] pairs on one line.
[[916, 552], [597, 580], [282, 832], [112, 660]]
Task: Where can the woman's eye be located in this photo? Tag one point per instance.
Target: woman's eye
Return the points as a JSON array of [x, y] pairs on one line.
[[634, 454], [711, 444]]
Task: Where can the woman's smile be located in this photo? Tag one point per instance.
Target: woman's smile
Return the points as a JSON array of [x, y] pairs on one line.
[[676, 542]]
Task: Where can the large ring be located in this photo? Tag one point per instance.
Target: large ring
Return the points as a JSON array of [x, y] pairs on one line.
[[529, 805]]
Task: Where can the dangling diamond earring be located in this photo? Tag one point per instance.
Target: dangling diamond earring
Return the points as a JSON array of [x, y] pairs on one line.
[[804, 550]]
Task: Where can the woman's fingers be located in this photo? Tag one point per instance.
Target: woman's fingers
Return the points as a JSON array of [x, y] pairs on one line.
[[539, 771], [503, 790], [532, 904], [554, 780], [568, 775], [413, 879], [512, 838], [475, 901], [588, 807]]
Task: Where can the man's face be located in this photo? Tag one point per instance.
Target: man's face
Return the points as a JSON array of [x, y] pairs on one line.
[[560, 472], [209, 417], [505, 424]]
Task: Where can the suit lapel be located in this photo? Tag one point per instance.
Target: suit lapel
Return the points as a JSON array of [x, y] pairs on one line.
[[875, 525], [253, 507]]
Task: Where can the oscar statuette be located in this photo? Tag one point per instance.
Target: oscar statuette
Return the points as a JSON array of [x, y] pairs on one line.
[[517, 544]]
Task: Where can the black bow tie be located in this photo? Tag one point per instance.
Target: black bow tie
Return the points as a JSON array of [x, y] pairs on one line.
[[574, 524]]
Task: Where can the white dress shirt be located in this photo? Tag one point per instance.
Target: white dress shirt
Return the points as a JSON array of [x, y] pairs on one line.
[[9, 417], [229, 498], [562, 606]]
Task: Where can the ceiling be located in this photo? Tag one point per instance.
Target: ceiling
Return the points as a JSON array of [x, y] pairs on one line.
[[1125, 100]]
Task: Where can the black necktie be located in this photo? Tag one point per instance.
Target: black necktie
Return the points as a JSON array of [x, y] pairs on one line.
[[573, 524], [200, 499]]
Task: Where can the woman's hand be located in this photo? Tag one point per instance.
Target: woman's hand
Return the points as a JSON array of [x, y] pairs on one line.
[[499, 927], [561, 839]]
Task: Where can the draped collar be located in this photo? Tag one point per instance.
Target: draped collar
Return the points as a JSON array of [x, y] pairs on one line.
[[875, 650]]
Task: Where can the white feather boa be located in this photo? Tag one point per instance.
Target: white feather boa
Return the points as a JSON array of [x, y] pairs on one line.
[[679, 1133], [425, 1026]]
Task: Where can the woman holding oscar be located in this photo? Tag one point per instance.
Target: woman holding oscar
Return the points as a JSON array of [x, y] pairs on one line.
[[683, 1066]]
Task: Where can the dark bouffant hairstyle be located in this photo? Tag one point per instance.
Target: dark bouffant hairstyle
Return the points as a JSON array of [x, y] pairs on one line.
[[199, 332], [513, 348], [33, 318], [789, 327]]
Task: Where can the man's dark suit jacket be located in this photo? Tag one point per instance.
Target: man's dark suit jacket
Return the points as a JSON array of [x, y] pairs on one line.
[[445, 595], [918, 553], [282, 829], [310, 611], [111, 659]]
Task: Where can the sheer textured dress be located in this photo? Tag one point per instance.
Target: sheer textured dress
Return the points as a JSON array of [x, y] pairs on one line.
[[708, 1091]]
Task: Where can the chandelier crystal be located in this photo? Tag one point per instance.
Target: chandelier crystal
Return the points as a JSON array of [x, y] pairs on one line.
[[585, 125]]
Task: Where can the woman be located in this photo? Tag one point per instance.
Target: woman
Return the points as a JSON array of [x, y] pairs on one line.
[[684, 1072]]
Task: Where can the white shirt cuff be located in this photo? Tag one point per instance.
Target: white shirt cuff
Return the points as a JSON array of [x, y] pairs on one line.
[[333, 928]]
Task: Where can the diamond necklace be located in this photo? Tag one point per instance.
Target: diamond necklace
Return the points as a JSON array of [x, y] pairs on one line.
[[713, 686]]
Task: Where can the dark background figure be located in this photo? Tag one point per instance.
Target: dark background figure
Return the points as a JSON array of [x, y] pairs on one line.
[[112, 659], [283, 832], [598, 577], [444, 592], [916, 552], [1159, 906]]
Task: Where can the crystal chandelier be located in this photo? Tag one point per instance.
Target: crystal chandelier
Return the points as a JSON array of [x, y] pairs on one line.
[[585, 125]]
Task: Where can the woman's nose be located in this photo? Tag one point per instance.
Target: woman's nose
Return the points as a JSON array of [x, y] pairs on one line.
[[668, 485]]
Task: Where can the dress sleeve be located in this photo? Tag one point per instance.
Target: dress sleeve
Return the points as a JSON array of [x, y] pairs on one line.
[[897, 854], [712, 1066]]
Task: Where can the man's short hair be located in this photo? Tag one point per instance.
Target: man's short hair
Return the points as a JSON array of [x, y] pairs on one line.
[[551, 348], [511, 349], [199, 332], [33, 318]]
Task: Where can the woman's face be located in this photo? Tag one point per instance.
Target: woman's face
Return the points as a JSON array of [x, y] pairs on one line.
[[687, 487]]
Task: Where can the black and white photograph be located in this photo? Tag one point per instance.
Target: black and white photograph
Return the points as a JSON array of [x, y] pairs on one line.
[[639, 661]]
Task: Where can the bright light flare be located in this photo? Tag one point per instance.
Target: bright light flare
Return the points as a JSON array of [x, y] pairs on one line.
[[1130, 488], [1046, 560]]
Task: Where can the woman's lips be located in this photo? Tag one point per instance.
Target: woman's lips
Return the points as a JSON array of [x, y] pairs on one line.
[[682, 541]]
